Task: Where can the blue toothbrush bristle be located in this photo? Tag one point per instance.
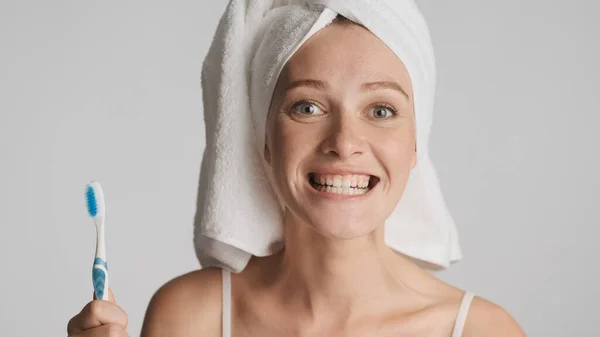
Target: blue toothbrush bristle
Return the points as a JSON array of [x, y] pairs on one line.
[[92, 205]]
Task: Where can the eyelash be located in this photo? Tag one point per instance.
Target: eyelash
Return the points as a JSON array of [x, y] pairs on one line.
[[300, 102], [385, 105], [377, 105]]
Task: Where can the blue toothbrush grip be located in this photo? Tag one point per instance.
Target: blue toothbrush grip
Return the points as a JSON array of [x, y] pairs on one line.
[[99, 277]]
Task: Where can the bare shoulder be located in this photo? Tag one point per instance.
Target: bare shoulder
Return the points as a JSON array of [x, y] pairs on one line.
[[486, 318], [189, 305]]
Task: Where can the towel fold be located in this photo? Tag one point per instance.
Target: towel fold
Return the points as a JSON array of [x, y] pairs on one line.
[[237, 213]]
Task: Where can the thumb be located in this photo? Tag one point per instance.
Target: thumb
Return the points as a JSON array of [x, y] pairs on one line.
[[111, 296]]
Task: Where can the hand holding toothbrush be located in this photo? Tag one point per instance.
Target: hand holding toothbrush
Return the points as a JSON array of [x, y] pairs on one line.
[[102, 316], [99, 318]]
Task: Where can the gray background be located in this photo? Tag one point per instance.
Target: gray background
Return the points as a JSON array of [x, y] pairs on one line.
[[110, 91]]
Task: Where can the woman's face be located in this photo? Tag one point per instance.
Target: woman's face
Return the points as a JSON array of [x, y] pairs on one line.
[[341, 132]]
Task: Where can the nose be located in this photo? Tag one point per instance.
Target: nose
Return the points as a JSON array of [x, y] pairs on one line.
[[344, 138]]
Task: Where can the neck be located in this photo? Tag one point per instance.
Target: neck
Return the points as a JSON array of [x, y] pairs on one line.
[[348, 277]]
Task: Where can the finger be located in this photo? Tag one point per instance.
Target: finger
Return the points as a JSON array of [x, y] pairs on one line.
[[102, 331], [111, 296], [95, 314]]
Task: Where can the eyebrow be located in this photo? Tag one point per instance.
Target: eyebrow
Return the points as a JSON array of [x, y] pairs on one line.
[[371, 86], [306, 83]]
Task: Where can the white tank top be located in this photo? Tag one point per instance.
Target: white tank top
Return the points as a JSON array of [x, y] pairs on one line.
[[459, 323]]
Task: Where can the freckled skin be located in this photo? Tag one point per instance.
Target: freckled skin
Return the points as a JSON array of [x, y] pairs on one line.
[[341, 125]]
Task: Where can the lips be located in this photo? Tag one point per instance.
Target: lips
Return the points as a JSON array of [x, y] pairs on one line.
[[346, 184]]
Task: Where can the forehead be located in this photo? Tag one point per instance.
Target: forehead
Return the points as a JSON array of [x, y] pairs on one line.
[[348, 53]]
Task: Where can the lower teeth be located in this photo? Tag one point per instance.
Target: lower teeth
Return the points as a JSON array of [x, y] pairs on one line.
[[342, 190]]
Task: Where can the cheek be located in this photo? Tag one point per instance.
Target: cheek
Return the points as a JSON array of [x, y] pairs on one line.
[[397, 154], [401, 149], [397, 145], [291, 142]]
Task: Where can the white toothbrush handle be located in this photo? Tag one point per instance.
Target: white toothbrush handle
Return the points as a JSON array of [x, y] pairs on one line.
[[100, 268]]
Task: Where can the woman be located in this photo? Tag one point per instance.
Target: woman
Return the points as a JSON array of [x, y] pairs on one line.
[[341, 114]]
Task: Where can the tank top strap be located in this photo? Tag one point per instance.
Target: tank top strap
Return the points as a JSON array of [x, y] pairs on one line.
[[226, 303], [461, 316]]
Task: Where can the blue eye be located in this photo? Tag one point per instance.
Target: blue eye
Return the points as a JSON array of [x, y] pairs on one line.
[[383, 111], [307, 108]]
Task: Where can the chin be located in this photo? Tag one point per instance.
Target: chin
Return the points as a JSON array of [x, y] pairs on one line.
[[345, 227]]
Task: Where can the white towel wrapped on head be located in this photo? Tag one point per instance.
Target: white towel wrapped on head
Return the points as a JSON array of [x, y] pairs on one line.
[[238, 214]]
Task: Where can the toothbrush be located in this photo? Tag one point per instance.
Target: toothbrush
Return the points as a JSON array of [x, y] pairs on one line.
[[95, 206]]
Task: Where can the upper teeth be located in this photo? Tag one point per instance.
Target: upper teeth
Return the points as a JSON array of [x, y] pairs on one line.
[[348, 180]]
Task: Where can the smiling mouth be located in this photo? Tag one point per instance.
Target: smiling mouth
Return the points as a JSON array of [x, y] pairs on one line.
[[348, 184]]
